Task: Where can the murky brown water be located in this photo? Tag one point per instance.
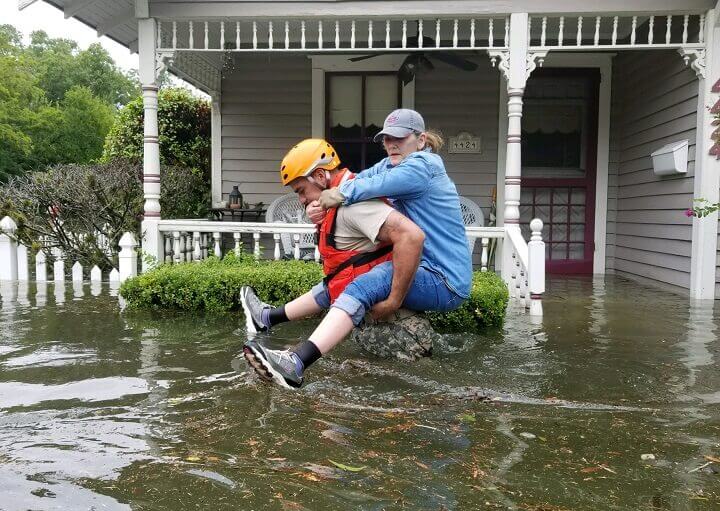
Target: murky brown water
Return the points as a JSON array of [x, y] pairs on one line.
[[103, 410]]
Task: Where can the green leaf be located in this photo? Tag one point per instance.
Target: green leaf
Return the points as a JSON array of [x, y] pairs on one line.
[[467, 417], [347, 468]]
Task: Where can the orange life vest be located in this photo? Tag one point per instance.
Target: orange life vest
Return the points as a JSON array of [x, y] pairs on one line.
[[341, 267]]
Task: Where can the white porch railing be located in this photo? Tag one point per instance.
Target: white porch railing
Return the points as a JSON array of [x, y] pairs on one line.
[[194, 240], [333, 34]]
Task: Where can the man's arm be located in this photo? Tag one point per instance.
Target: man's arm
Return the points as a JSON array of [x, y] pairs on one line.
[[407, 240]]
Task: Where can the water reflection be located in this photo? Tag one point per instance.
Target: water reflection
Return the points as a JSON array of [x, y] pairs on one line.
[[118, 411]]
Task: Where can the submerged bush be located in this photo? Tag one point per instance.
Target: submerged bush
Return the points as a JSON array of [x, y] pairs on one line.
[[214, 285]]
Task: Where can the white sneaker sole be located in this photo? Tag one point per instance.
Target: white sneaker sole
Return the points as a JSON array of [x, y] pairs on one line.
[[277, 377], [249, 323]]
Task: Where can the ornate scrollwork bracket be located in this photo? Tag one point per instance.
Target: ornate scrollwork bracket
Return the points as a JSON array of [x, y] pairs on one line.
[[501, 58], [695, 57], [164, 59], [535, 59]]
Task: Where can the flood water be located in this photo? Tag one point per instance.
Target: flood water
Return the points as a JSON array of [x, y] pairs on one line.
[[612, 402]]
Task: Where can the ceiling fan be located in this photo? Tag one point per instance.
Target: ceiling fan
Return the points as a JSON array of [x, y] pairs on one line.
[[418, 58]]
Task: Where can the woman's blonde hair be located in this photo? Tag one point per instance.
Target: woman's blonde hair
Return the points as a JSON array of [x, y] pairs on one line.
[[435, 140]]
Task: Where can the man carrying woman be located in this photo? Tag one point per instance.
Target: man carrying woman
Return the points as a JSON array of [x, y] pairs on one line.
[[413, 179]]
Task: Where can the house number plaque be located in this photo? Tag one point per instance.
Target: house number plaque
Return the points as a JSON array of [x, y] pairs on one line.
[[464, 142]]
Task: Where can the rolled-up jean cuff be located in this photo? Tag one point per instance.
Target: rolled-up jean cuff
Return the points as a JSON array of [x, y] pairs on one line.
[[351, 306], [320, 295]]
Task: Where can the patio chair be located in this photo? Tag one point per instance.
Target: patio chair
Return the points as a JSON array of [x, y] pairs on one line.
[[472, 217], [287, 209]]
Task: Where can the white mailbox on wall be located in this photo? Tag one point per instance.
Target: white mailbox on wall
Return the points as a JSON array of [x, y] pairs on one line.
[[670, 159]]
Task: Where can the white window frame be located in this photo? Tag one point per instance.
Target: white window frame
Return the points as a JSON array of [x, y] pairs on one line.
[[322, 64]]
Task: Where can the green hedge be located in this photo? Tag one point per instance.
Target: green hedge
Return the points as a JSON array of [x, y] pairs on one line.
[[214, 285]]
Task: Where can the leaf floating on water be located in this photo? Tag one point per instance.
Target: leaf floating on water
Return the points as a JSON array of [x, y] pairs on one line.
[[348, 468], [467, 417], [193, 459]]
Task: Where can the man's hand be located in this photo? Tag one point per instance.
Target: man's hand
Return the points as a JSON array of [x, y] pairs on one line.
[[331, 198], [383, 309], [315, 213]]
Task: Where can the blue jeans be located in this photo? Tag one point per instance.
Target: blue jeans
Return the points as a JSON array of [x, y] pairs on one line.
[[428, 292]]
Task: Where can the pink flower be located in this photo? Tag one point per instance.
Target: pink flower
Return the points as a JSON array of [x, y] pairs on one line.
[[689, 212]]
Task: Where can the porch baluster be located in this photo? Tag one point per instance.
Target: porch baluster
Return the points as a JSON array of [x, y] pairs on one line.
[[507, 33], [287, 35], [218, 249], [188, 246], [168, 250], [276, 251], [320, 34], [238, 246], [701, 32], [578, 36], [633, 31], [337, 34], [615, 29], [174, 36], [561, 28], [651, 28], [404, 34], [596, 39], [237, 35], [256, 245], [490, 33], [222, 35], [176, 247], [437, 33], [352, 34], [668, 26], [191, 42], [484, 256], [254, 38], [270, 35], [206, 36], [455, 33], [387, 33], [296, 246], [197, 252], [158, 35], [370, 33], [686, 18], [472, 33], [302, 34], [543, 32]]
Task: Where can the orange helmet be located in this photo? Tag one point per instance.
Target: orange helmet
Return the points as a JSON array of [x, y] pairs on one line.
[[305, 157]]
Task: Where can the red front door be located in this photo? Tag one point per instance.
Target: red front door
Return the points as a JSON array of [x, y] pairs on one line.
[[559, 154]]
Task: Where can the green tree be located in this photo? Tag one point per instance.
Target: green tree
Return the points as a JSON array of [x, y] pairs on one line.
[[184, 126]]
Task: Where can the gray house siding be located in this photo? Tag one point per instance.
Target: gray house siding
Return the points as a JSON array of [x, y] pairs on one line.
[[654, 103], [266, 106]]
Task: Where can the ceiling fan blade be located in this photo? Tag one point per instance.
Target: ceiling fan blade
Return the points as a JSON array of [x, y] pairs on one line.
[[454, 60], [363, 57]]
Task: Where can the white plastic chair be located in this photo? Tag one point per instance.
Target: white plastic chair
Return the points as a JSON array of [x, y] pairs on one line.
[[472, 217], [287, 209]]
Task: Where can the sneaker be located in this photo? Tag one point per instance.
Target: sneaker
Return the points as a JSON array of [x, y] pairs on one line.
[[253, 307], [278, 366]]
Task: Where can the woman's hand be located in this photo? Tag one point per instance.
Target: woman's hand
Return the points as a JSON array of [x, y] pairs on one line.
[[315, 213]]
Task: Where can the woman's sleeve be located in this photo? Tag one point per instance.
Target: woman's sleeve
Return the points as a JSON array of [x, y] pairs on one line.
[[372, 171], [408, 180]]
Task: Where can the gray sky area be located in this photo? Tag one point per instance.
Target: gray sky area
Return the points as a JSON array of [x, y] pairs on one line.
[[42, 16]]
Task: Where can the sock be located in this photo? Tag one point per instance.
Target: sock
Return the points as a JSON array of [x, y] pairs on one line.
[[307, 353], [274, 316]]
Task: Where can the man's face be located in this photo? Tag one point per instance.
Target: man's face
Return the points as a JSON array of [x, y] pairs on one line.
[[307, 190]]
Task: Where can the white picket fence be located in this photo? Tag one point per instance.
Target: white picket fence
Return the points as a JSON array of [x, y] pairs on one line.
[[15, 262]]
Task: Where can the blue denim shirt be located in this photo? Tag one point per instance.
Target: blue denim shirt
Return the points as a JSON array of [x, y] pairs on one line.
[[420, 188]]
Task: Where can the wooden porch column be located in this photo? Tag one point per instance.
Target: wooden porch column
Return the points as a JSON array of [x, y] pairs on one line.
[[514, 71], [151, 239], [216, 149], [707, 168]]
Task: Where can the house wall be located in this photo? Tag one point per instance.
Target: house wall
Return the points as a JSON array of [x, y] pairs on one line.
[[266, 108], [654, 102]]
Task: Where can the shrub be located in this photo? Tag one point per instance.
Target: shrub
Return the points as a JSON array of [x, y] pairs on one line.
[[485, 307], [214, 285], [69, 205]]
